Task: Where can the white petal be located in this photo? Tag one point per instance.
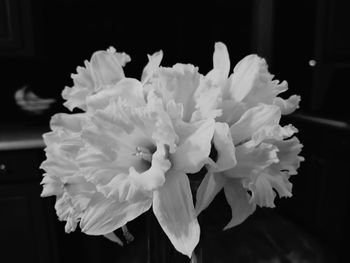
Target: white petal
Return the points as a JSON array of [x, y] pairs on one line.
[[226, 158], [152, 66], [232, 111], [238, 199], [262, 192], [75, 97], [208, 97], [254, 119], [128, 89], [105, 68], [154, 177], [194, 146], [69, 122], [180, 83], [207, 190], [287, 106], [275, 132], [252, 160], [106, 215], [221, 64], [253, 84], [122, 57], [51, 186], [244, 75], [173, 207], [288, 154], [280, 183]]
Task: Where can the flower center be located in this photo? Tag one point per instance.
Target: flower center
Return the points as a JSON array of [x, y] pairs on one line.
[[143, 153]]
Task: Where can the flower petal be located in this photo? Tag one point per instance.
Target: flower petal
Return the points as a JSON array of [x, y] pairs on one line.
[[180, 83], [221, 64], [252, 160], [208, 189], [194, 146], [152, 66], [122, 57], [287, 106], [75, 97], [226, 158], [272, 132], [154, 177], [173, 207], [243, 77], [254, 119], [105, 68], [69, 122], [105, 215], [238, 199], [288, 154], [208, 98], [231, 110], [262, 192], [128, 90]]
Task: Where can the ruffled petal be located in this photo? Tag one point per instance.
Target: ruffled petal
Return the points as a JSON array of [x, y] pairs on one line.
[[288, 155], [271, 132], [179, 83], [75, 97], [129, 90], [254, 119], [104, 69], [122, 57], [262, 191], [173, 207], [68, 122], [287, 106], [194, 146], [253, 84], [238, 199], [252, 160], [208, 98], [208, 189], [154, 177], [51, 186]]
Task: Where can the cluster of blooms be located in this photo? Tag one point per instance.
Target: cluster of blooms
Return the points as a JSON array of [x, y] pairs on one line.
[[136, 143]]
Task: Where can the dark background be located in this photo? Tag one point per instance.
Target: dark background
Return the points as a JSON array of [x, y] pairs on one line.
[[42, 43]]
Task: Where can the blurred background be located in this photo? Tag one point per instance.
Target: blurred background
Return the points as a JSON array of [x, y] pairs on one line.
[[306, 43]]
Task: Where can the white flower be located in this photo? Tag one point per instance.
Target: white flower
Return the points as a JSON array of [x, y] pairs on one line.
[[136, 142], [125, 154], [254, 155]]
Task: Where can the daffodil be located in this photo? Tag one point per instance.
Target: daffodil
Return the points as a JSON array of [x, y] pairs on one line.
[[125, 154], [255, 155]]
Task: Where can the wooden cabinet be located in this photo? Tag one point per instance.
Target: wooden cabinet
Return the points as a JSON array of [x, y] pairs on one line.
[[26, 221]]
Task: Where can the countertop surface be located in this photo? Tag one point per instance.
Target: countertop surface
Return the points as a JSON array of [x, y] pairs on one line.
[[22, 136]]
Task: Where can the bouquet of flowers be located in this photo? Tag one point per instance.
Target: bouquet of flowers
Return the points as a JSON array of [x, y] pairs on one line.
[[134, 144]]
